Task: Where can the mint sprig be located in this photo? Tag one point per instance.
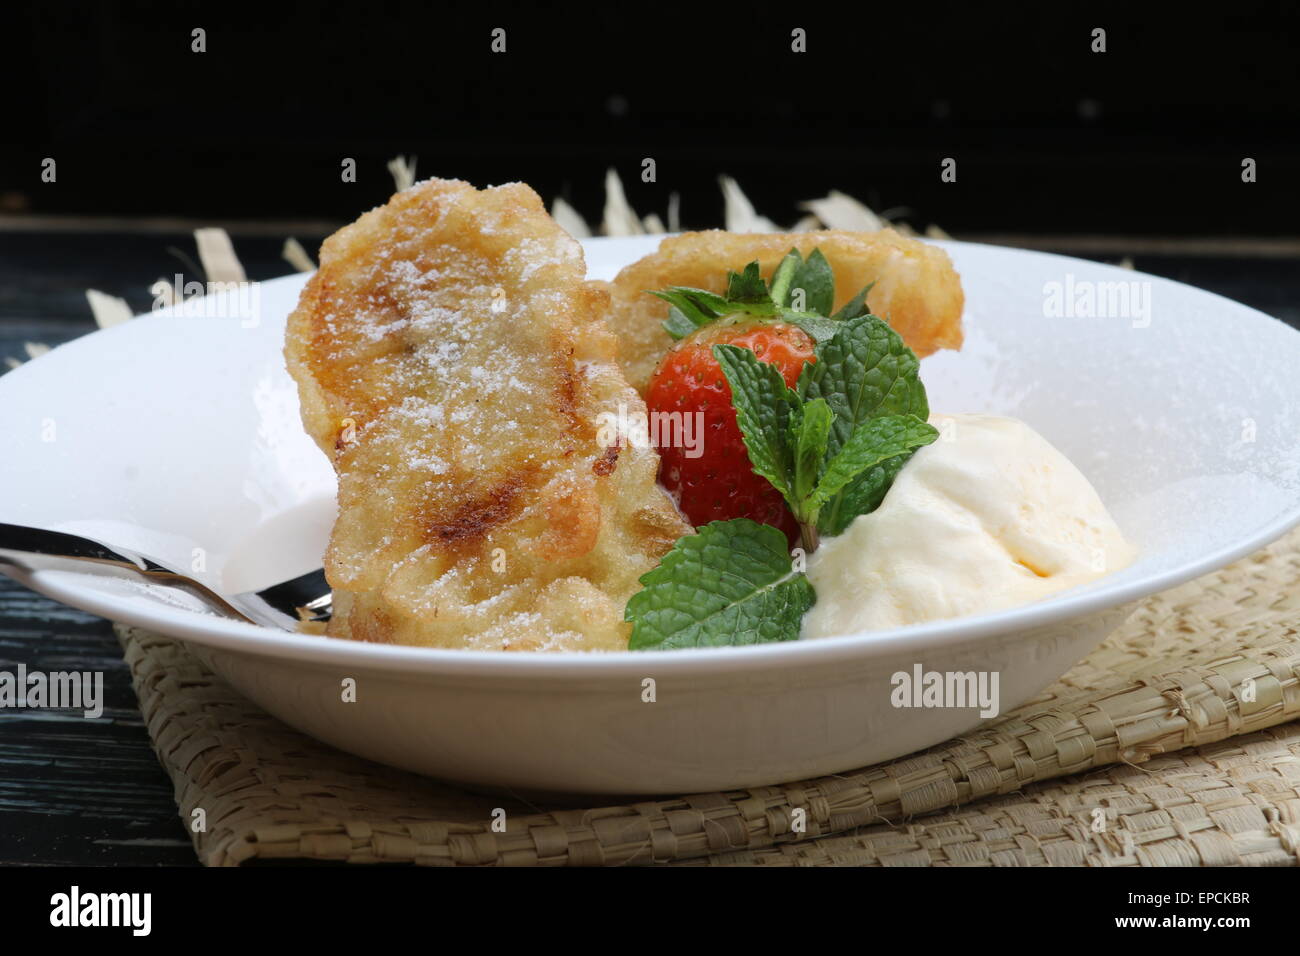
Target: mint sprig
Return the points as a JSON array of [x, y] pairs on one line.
[[801, 292], [812, 449], [864, 371], [731, 583], [872, 443], [831, 446], [809, 429]]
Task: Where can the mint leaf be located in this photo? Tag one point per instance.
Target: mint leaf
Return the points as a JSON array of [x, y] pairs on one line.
[[861, 496], [690, 309], [815, 278], [731, 583], [855, 307], [871, 443], [810, 426], [864, 371], [682, 300], [818, 327], [779, 288], [748, 289], [763, 403], [677, 324]]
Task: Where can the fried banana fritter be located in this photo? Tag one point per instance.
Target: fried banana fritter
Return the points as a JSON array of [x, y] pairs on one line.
[[916, 288], [453, 364]]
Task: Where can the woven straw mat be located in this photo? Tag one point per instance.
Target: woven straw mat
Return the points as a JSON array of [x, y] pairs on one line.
[[1144, 754]]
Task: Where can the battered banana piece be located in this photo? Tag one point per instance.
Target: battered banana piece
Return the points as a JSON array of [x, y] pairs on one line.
[[454, 365], [917, 290]]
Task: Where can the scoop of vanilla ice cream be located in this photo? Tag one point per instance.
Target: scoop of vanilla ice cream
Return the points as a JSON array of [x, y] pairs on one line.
[[987, 517]]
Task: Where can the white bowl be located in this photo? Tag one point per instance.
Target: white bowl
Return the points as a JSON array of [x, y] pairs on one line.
[[179, 435]]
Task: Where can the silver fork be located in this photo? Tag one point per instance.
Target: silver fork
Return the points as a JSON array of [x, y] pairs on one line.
[[283, 606]]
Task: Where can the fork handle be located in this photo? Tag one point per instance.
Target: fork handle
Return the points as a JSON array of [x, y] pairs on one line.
[[37, 549]]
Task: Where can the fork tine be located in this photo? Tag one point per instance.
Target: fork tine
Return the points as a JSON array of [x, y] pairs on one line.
[[309, 592]]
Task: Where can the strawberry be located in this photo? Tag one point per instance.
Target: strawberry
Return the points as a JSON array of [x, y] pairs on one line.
[[775, 456], [721, 484]]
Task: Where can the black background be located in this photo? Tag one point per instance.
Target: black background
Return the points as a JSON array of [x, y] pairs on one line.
[[1144, 139]]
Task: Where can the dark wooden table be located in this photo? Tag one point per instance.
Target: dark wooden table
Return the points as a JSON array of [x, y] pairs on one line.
[[76, 791]]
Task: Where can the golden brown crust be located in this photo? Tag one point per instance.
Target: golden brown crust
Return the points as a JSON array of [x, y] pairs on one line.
[[454, 365], [917, 290]]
